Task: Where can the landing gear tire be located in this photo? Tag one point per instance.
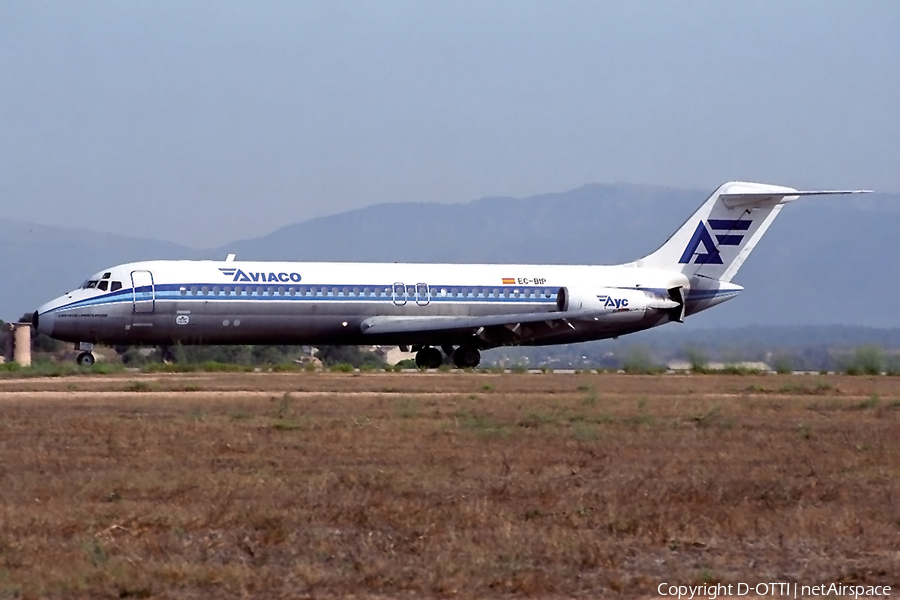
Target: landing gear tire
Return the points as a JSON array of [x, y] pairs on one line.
[[429, 358], [85, 359], [466, 358], [166, 354]]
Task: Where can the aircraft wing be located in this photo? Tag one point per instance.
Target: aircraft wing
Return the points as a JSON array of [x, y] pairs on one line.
[[387, 324]]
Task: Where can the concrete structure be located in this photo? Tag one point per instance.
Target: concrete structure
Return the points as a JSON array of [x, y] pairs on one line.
[[22, 344], [718, 366], [392, 354]]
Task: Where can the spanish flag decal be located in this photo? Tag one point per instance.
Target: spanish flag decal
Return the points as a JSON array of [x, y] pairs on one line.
[[509, 280]]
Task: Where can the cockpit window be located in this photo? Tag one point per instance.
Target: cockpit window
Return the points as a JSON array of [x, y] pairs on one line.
[[103, 285], [106, 275], [88, 285], [116, 285]]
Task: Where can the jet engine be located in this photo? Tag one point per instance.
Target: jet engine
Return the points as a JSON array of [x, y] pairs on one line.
[[612, 300]]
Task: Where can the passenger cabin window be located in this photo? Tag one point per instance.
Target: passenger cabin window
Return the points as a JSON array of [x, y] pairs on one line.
[[116, 285]]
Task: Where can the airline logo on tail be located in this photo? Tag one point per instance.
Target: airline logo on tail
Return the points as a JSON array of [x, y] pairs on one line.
[[702, 235]]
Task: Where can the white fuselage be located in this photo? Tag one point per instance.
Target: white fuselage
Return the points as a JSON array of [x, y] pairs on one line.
[[461, 308], [213, 302]]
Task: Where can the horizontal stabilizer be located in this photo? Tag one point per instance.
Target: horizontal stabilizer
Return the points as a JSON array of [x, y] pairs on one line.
[[753, 199]]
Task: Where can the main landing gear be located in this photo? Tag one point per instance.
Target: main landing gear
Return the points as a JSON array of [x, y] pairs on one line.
[[429, 358], [464, 357]]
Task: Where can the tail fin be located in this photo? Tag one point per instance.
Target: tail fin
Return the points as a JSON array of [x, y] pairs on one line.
[[717, 239]]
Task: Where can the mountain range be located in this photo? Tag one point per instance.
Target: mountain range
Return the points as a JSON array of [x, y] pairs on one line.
[[824, 261]]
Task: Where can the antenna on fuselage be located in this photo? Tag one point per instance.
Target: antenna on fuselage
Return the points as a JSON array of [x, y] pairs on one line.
[[229, 258]]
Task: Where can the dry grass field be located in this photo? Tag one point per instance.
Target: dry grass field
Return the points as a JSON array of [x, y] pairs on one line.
[[444, 484]]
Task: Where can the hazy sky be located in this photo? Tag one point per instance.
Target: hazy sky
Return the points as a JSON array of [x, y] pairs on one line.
[[205, 122]]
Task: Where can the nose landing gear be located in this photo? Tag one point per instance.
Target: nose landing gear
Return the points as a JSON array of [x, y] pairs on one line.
[[85, 359]]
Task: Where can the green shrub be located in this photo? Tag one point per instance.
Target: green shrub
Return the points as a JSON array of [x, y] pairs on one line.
[[139, 386], [639, 363], [217, 367], [783, 365], [698, 359], [867, 360], [739, 370]]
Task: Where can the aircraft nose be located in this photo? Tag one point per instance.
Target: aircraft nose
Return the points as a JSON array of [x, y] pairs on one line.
[[42, 324]]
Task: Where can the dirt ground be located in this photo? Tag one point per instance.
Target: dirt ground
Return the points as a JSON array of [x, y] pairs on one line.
[[444, 484]]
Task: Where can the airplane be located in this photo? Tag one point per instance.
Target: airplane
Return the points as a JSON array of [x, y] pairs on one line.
[[438, 310]]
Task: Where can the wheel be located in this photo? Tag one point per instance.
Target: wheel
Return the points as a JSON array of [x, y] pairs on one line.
[[466, 357], [85, 359], [166, 354], [429, 358]]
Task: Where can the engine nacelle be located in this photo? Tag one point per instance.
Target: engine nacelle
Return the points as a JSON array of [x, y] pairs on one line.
[[612, 300]]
